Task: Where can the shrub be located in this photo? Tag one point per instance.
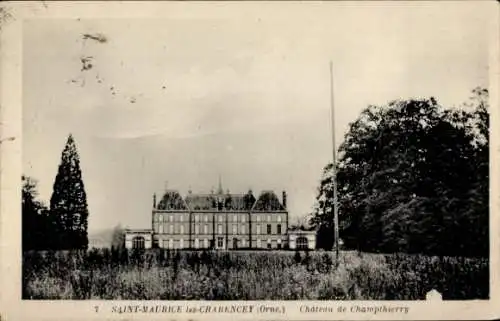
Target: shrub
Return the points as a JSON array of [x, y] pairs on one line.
[[297, 258], [248, 275]]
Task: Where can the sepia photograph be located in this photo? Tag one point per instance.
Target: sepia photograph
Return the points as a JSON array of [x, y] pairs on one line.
[[337, 153]]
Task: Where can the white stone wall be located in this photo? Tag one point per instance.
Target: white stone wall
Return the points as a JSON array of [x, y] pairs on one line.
[[311, 239], [148, 239]]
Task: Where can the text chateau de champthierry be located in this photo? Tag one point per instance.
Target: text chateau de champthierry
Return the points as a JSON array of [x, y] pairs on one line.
[[220, 221]]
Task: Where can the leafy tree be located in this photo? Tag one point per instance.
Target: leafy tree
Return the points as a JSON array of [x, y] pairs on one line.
[[35, 220], [408, 180], [68, 204], [477, 214]]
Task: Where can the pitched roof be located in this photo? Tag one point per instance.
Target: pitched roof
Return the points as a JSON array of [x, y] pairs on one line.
[[201, 202], [239, 202], [268, 201], [231, 202], [172, 200]]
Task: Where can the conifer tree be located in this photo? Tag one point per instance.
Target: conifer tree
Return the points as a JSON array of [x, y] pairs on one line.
[[68, 204]]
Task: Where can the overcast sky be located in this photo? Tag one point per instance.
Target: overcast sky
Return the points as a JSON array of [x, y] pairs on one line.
[[245, 96]]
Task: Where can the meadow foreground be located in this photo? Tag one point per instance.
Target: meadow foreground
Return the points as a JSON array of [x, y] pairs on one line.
[[248, 275]]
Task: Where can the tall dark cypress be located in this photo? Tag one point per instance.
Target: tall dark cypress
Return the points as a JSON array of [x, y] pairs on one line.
[[68, 204]]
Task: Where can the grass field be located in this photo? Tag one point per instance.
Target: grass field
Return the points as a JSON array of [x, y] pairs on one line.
[[259, 275]]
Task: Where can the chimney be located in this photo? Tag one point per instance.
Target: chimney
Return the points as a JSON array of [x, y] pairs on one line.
[[284, 199], [154, 200]]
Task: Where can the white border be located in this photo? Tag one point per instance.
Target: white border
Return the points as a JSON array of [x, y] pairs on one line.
[[12, 308]]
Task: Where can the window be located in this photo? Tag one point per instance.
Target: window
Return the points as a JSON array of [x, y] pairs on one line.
[[258, 229], [269, 218], [160, 229], [171, 218], [196, 229], [242, 229], [220, 218], [171, 228], [235, 229], [138, 242], [258, 218], [181, 243], [279, 218], [219, 227], [235, 218], [268, 228], [205, 229], [170, 244], [165, 244], [196, 218], [220, 242], [235, 243], [206, 218], [258, 243], [205, 243], [243, 218], [196, 243], [160, 218], [302, 242], [243, 243], [278, 227], [182, 229], [269, 244], [181, 218], [279, 244]]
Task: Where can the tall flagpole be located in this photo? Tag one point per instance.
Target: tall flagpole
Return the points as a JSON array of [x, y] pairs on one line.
[[334, 172]]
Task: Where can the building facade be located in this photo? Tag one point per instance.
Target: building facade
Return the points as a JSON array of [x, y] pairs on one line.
[[218, 220], [301, 239]]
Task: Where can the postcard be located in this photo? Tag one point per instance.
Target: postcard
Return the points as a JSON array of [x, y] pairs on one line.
[[249, 160]]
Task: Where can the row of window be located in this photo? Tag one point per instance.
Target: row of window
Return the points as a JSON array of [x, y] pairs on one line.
[[178, 244], [198, 218], [205, 243], [269, 244], [138, 242], [235, 229]]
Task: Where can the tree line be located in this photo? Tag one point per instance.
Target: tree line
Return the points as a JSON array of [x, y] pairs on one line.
[[63, 224], [413, 177]]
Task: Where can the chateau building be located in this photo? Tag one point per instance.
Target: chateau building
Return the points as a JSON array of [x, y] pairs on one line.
[[218, 220]]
